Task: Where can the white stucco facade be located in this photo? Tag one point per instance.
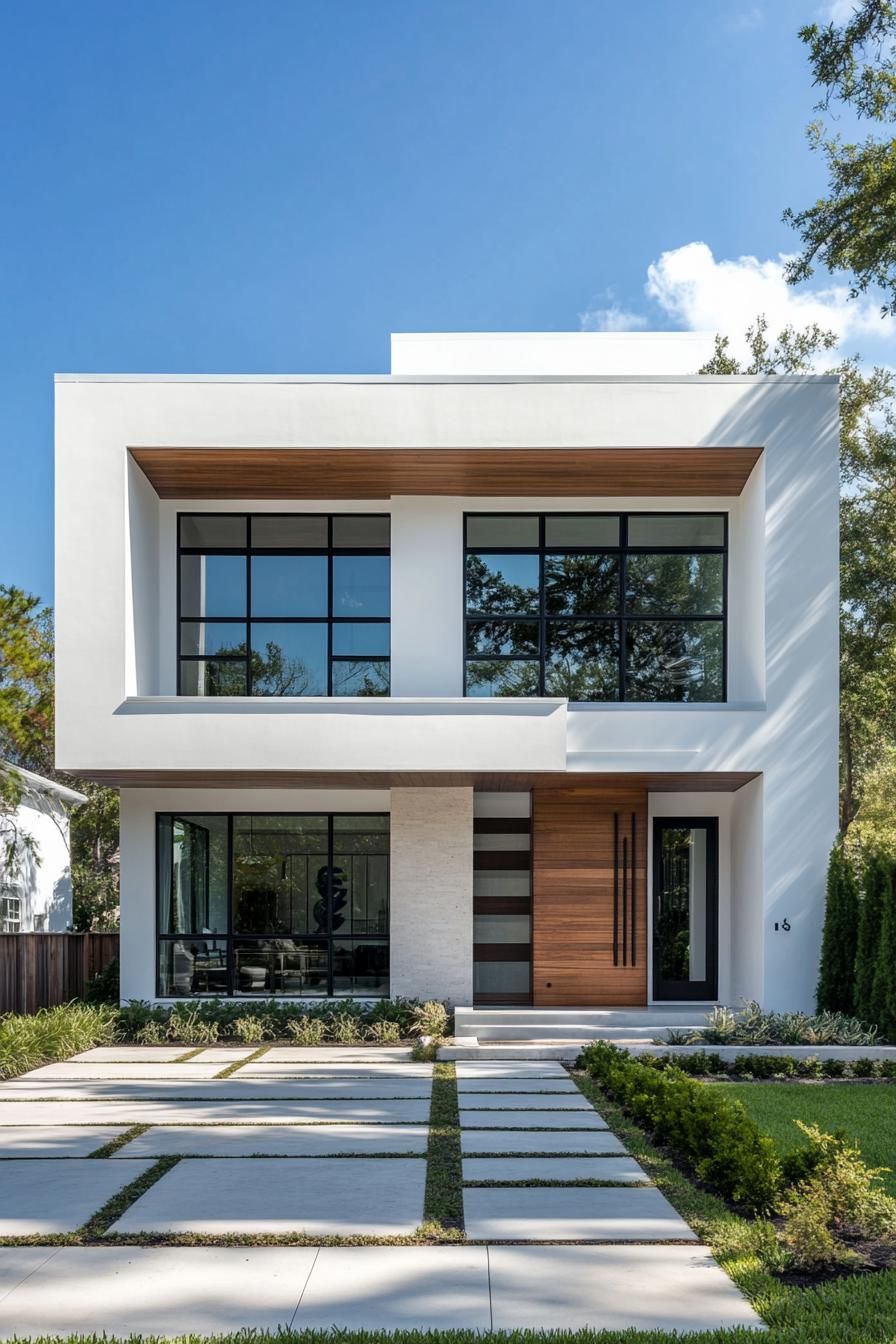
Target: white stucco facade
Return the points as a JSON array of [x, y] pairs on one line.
[[120, 718]]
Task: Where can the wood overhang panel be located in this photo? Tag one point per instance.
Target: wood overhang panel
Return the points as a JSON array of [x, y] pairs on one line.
[[378, 473]]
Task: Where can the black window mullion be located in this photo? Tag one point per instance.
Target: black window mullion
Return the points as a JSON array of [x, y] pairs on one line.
[[249, 614], [623, 584], [230, 949], [330, 861], [542, 622]]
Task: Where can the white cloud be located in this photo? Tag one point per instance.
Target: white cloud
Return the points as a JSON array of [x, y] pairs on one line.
[[696, 292], [612, 318], [839, 11]]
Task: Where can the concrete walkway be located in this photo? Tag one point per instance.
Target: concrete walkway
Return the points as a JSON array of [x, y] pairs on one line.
[[331, 1142]]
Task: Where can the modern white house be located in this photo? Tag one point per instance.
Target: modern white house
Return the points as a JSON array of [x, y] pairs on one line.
[[35, 856], [507, 678]]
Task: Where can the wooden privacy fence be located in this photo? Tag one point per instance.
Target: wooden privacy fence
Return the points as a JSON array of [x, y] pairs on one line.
[[39, 970]]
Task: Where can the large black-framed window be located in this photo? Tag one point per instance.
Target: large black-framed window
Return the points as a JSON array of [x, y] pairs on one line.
[[271, 904], [596, 606], [283, 604]]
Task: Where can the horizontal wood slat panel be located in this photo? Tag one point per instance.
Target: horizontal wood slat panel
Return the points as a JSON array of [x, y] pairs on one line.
[[573, 877], [378, 473]]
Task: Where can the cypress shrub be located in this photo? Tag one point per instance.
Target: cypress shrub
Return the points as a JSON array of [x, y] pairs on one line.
[[836, 977], [875, 879], [883, 993]]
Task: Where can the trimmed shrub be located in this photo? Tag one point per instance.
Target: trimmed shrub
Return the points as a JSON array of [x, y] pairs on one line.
[[765, 1066], [836, 976], [709, 1131], [833, 1068], [863, 1068]]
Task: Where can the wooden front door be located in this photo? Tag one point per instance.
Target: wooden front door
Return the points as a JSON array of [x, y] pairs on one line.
[[589, 896]]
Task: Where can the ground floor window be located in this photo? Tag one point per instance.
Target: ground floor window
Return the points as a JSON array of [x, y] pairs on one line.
[[273, 904]]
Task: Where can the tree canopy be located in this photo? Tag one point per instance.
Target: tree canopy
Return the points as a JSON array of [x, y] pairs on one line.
[[853, 227]]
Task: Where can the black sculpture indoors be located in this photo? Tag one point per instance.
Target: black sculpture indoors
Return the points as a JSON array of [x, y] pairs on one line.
[[333, 897]]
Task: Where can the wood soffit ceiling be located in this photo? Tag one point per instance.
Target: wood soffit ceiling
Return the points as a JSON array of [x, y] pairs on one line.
[[716, 781], [378, 473]]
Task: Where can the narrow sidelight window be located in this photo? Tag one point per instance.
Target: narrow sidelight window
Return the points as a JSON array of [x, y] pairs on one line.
[[596, 606], [283, 604]]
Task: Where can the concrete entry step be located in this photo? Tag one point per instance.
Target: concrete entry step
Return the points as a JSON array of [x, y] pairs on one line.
[[576, 1024]]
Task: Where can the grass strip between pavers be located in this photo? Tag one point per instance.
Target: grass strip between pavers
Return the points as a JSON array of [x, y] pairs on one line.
[[132, 1132], [237, 1064], [181, 1059], [443, 1205]]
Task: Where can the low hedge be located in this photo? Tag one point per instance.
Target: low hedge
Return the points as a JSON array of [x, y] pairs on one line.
[[342, 1021], [711, 1133], [709, 1064]]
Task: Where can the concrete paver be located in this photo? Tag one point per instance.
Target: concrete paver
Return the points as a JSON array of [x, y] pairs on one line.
[[317, 1196], [536, 1102], [131, 1053], [624, 1169], [549, 1119], [578, 1213], [613, 1288], [45, 1197], [157, 1290], [578, 1142], [276, 1140], [17, 1263], [233, 1088], [499, 1068], [266, 1068], [109, 1071], [211, 1111], [502, 1086], [54, 1140], [397, 1288]]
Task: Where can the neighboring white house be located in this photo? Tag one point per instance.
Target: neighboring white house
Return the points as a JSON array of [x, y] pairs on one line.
[[510, 677], [36, 888]]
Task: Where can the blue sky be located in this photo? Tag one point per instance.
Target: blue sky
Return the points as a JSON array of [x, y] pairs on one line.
[[265, 187]]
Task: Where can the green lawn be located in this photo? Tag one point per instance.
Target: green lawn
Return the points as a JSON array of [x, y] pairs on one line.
[[867, 1113]]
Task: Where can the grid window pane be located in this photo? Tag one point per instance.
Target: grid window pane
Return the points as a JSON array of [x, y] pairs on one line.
[[367, 638], [674, 584], [502, 678], [210, 531], [582, 660], [360, 530], [503, 638], [213, 677], [289, 658], [581, 529], [289, 585], [193, 966], [289, 531], [673, 660], [193, 876], [676, 529], [502, 584], [360, 676], [213, 638], [212, 585], [581, 585], [280, 874], [494, 531], [361, 585], [360, 966]]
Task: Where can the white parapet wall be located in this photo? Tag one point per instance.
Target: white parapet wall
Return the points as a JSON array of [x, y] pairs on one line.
[[431, 893]]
